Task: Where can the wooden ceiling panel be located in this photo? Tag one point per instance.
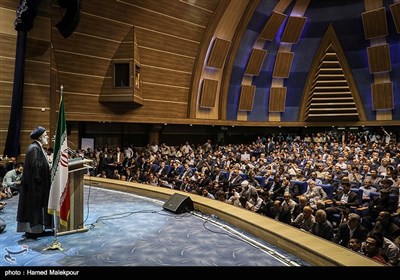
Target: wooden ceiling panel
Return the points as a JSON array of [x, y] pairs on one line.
[[208, 93], [293, 29], [382, 96], [255, 62], [272, 26], [218, 53], [374, 23], [246, 98], [379, 59], [277, 99], [283, 63]]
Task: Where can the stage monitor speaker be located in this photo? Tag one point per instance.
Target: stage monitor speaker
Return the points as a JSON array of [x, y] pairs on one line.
[[71, 18], [179, 204]]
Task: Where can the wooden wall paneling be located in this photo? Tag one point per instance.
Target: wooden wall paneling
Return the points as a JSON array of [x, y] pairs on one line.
[[208, 93], [209, 5], [6, 92], [124, 52], [395, 10], [40, 50], [379, 59], [90, 109], [4, 119], [148, 39], [37, 96], [374, 23], [277, 99], [272, 26], [166, 60], [92, 25], [382, 96], [166, 77], [86, 45], [218, 53], [7, 20], [78, 84], [32, 117], [36, 73], [283, 63], [175, 9], [87, 65], [8, 45], [159, 92], [136, 73], [246, 98], [167, 25], [5, 74], [293, 29], [255, 62], [9, 4]]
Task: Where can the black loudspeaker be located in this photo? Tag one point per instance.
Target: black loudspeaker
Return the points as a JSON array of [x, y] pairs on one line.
[[179, 204], [71, 18]]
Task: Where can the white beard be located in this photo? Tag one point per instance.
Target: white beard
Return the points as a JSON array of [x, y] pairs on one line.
[[44, 140]]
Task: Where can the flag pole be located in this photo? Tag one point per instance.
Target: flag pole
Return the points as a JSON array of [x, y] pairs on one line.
[[56, 245]]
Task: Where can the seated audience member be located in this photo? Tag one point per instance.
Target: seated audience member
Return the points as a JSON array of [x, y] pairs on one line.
[[366, 188], [254, 203], [207, 194], [372, 247], [12, 180], [355, 244], [352, 228], [281, 213], [375, 179], [322, 228], [234, 199], [267, 205], [303, 201], [378, 204], [314, 193], [289, 203], [304, 220], [389, 251], [342, 201], [329, 181], [275, 188], [384, 224], [247, 190]]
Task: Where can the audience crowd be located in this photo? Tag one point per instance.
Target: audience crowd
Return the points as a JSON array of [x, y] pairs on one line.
[[343, 187]]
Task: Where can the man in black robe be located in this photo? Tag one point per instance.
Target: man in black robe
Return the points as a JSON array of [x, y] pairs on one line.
[[32, 216]]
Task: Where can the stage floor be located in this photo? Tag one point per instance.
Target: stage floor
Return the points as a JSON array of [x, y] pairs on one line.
[[130, 230]]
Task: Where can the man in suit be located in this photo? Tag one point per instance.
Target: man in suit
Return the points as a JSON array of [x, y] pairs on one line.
[[342, 201], [349, 230]]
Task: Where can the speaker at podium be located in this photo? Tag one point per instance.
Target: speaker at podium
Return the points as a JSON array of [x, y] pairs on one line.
[[179, 204]]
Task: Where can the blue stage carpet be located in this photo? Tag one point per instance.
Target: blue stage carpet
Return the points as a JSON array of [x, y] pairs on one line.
[[129, 230]]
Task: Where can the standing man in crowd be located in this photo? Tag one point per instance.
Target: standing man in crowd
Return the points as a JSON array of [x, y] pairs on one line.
[[32, 216]]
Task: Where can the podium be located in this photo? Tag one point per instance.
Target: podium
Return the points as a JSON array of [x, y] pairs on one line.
[[77, 168]]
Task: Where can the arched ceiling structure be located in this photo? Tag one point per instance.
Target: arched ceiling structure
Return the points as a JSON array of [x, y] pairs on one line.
[[194, 55]]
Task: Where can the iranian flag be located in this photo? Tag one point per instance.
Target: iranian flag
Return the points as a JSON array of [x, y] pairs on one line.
[[59, 192]]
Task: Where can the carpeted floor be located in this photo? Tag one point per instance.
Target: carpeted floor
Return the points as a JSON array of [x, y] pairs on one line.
[[129, 230]]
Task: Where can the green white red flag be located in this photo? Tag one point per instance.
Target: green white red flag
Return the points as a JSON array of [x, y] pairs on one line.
[[59, 200]]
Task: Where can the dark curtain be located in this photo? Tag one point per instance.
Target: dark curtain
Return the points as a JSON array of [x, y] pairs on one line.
[[26, 13]]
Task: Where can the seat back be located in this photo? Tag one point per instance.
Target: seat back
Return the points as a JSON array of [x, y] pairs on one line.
[[328, 189]]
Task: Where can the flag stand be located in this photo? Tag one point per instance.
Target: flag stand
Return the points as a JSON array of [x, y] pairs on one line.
[[55, 245]]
